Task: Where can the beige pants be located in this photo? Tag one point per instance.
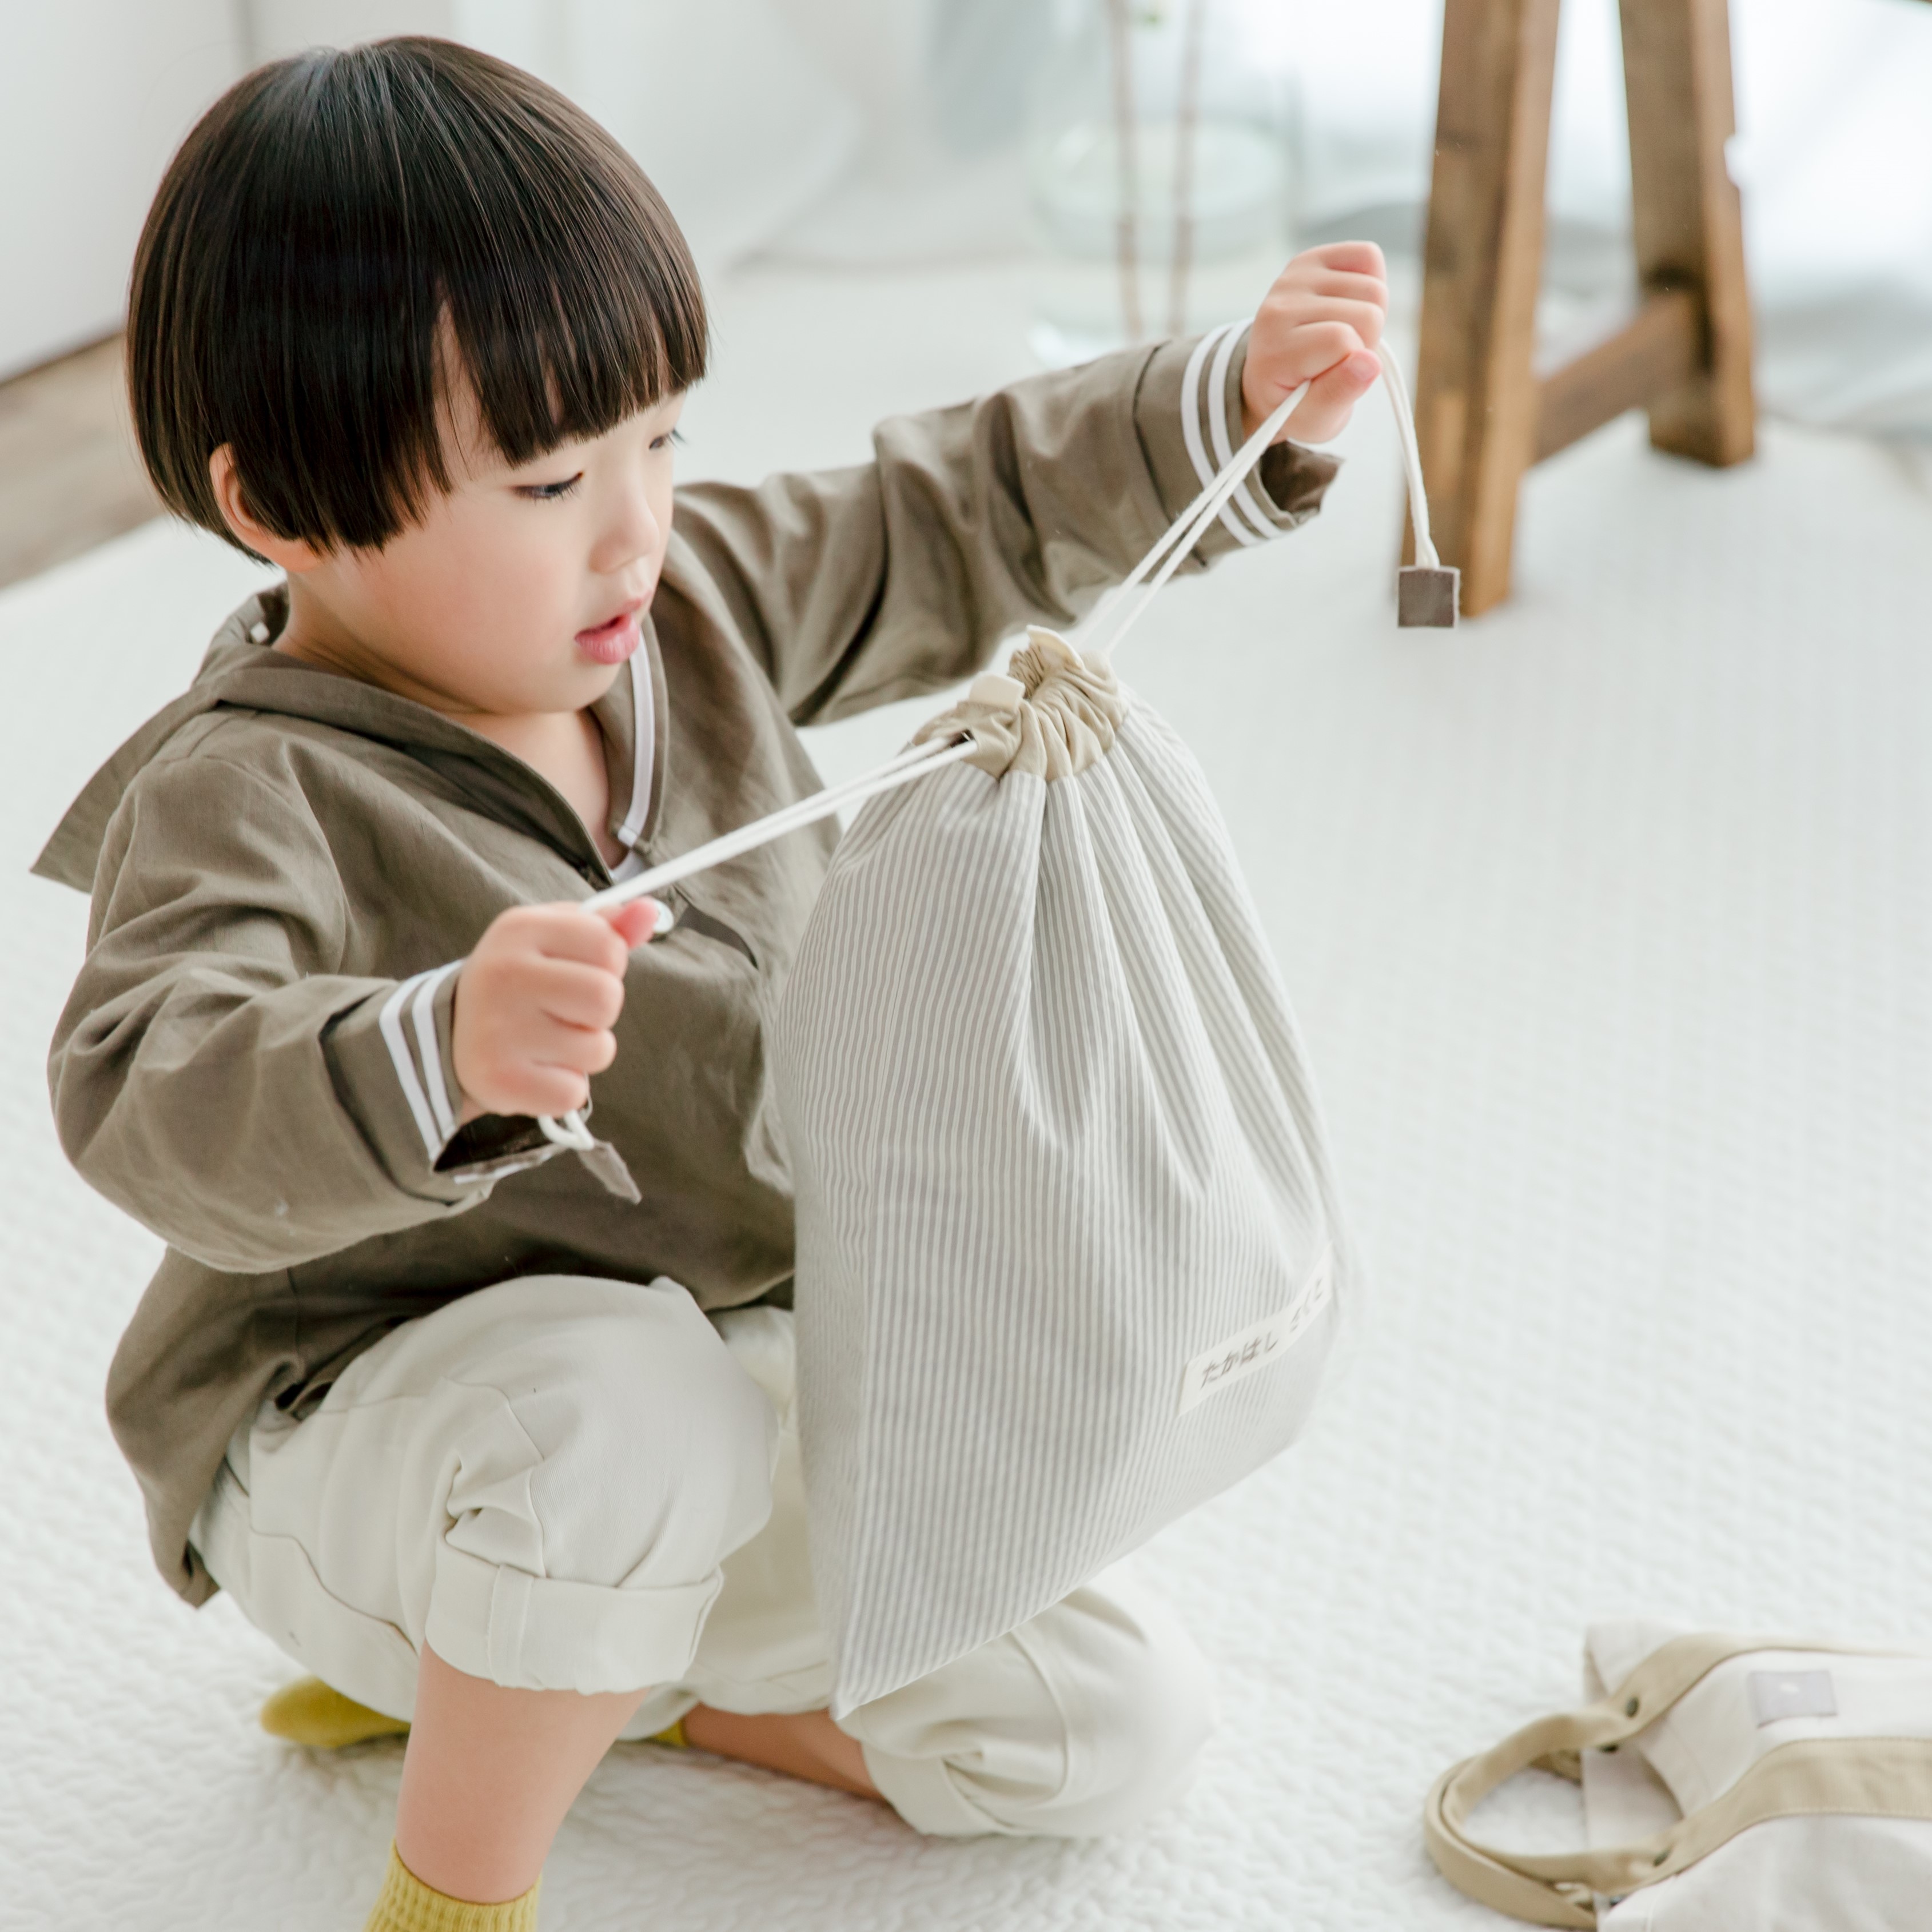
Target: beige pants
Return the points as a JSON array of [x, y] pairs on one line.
[[567, 1483]]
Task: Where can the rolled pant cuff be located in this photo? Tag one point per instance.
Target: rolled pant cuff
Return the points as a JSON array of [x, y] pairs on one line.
[[547, 1633], [922, 1792]]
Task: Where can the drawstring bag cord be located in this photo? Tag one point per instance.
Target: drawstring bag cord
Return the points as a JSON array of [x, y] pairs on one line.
[[1125, 609], [1426, 596], [570, 1131]]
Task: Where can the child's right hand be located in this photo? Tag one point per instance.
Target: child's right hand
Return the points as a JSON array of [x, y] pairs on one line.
[[536, 1001]]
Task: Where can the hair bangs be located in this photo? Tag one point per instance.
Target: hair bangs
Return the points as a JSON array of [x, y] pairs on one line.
[[568, 308], [331, 223]]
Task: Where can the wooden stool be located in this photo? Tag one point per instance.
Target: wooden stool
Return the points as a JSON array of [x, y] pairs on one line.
[[1482, 416]]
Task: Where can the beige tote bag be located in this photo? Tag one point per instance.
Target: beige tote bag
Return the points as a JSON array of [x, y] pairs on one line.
[[1775, 1786]]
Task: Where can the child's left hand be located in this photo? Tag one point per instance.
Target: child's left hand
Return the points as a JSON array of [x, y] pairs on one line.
[[1319, 324]]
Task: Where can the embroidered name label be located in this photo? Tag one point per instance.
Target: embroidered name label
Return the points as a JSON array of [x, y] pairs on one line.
[[1267, 1341], [1776, 1695]]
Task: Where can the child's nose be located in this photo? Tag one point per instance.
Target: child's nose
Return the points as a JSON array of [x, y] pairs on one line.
[[631, 533]]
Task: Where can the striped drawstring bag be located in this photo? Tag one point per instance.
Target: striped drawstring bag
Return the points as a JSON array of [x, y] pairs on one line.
[[1069, 1260], [1069, 1257]]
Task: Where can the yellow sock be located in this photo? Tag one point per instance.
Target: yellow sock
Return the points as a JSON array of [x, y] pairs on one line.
[[406, 1904], [308, 1712]]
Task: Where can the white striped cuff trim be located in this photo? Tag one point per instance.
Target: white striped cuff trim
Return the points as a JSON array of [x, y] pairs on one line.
[[422, 1010], [398, 1042], [1196, 406], [1215, 410], [1190, 407]]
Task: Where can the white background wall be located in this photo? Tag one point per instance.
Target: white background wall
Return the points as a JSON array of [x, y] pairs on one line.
[[94, 96], [736, 118], [810, 126]]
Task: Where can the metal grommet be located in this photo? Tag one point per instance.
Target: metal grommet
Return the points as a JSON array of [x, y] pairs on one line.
[[1630, 1709]]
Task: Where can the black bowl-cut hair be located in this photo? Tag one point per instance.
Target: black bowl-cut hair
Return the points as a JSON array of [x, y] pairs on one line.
[[331, 221]]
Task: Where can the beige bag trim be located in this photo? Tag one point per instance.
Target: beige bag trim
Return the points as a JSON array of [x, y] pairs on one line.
[[1051, 715], [1878, 1777]]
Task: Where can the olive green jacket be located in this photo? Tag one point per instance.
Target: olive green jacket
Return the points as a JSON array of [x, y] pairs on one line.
[[287, 866]]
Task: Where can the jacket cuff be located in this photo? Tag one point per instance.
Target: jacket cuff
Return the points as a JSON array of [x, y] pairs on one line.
[[1188, 410], [392, 1060]]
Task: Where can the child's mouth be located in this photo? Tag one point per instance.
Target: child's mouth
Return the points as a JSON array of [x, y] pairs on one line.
[[611, 642]]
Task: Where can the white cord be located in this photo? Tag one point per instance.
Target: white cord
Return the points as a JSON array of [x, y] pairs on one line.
[[1411, 456], [909, 765], [1123, 606], [1181, 536], [568, 1130], [1120, 612]]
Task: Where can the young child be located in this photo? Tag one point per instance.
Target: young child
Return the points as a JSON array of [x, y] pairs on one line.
[[493, 1436]]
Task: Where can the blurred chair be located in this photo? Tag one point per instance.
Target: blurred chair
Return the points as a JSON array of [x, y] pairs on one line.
[[1484, 416]]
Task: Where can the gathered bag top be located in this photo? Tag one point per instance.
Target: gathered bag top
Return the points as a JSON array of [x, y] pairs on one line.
[[1052, 713]]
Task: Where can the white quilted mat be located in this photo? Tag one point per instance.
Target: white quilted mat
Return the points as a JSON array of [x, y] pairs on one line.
[[1608, 921]]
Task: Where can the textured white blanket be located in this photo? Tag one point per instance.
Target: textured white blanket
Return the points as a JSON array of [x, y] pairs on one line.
[[1613, 944]]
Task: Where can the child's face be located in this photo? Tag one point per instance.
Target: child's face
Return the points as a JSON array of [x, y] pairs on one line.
[[518, 593]]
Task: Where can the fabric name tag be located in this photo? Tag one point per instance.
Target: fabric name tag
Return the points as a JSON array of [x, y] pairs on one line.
[[1267, 1341], [1776, 1695]]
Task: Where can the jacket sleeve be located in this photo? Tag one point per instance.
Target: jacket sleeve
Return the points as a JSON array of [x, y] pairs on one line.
[[857, 586], [216, 1075]]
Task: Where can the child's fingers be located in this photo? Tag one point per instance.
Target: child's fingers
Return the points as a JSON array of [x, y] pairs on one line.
[[1367, 319], [1332, 284], [1304, 354], [543, 1068], [569, 991], [556, 1044], [1322, 411], [1361, 258], [562, 932], [1298, 334], [639, 922], [1314, 348], [536, 1090], [1307, 354]]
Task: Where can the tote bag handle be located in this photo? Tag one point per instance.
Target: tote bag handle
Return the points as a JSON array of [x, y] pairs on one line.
[[1886, 1778]]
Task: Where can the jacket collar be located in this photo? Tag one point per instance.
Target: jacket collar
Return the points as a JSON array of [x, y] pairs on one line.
[[241, 670]]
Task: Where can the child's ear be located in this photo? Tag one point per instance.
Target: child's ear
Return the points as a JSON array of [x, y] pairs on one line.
[[289, 554]]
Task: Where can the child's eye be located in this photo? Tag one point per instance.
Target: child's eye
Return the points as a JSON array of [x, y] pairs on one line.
[[669, 436], [549, 493]]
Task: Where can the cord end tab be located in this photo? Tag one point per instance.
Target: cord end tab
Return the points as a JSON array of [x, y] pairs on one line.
[[1426, 596]]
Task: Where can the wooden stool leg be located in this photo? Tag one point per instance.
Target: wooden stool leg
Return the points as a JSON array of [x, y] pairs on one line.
[[1685, 217], [1477, 401]]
